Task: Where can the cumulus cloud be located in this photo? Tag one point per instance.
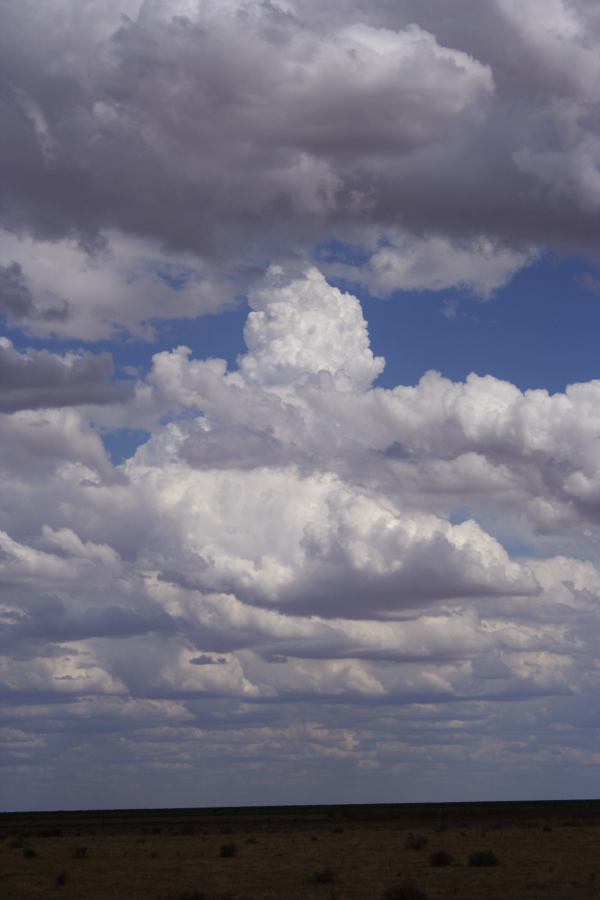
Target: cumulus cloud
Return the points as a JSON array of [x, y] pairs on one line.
[[300, 329], [200, 139], [291, 86], [293, 535]]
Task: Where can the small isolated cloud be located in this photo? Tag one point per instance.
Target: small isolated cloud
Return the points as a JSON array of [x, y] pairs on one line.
[[450, 308], [590, 282]]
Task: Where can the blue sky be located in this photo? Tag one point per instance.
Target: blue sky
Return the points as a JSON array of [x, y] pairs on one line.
[[299, 402]]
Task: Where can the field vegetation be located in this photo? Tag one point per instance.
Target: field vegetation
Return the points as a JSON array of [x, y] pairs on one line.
[[503, 851]]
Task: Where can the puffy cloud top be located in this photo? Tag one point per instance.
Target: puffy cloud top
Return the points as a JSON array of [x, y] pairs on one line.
[[306, 328]]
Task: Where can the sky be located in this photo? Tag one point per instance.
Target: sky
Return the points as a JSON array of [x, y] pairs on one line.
[[299, 402]]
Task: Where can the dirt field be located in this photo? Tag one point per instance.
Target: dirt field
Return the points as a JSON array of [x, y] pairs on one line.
[[524, 850]]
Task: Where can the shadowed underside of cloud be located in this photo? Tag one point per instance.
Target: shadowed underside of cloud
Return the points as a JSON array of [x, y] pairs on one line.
[[37, 379]]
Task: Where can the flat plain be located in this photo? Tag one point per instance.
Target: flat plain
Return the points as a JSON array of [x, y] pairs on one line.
[[470, 851]]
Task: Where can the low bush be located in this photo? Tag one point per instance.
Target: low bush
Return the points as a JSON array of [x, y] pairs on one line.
[[415, 841], [228, 850], [29, 853], [80, 852], [441, 858], [483, 858], [404, 892], [325, 876], [61, 879], [186, 895]]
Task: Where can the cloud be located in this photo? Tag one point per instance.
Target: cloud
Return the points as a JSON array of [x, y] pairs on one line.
[[298, 564], [160, 90], [434, 263], [62, 288], [15, 297], [40, 379], [215, 138], [300, 329], [357, 578]]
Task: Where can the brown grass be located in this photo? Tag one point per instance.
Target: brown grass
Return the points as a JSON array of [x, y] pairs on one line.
[[543, 851]]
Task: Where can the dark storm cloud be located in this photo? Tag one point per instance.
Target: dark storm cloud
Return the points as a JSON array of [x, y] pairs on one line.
[[235, 130], [17, 302], [39, 379], [15, 297]]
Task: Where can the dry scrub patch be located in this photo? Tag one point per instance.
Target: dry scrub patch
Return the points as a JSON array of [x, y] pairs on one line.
[[467, 851]]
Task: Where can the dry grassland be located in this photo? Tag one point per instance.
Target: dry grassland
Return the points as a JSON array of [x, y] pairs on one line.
[[532, 850]]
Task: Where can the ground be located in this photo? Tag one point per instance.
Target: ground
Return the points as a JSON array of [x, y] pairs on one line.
[[386, 852]]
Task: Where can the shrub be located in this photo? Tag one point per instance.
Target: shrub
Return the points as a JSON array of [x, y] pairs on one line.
[[404, 892], [483, 858], [441, 858], [186, 895], [61, 879], [29, 853], [325, 876], [416, 841], [80, 852], [228, 850]]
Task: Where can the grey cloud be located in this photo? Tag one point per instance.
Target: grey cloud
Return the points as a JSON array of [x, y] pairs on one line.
[[205, 660], [39, 379], [17, 301], [241, 132], [15, 297]]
